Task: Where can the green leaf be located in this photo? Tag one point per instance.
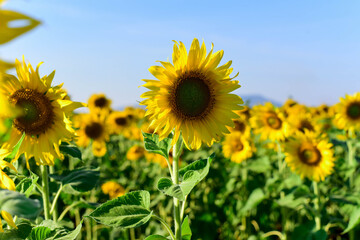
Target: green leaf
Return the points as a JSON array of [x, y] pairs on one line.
[[22, 231], [15, 150], [290, 201], [155, 237], [179, 191], [72, 150], [40, 233], [129, 211], [260, 165], [201, 166], [27, 185], [186, 230], [320, 235], [71, 235], [254, 199], [354, 220], [153, 145], [81, 179], [18, 204]]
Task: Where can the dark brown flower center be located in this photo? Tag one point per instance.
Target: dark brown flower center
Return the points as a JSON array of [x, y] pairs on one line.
[[192, 96], [101, 102], [237, 146], [37, 112], [306, 124], [273, 121], [309, 155], [239, 126], [353, 111], [94, 130], [120, 121]]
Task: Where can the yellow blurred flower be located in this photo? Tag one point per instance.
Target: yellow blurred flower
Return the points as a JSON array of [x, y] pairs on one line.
[[7, 183], [113, 189], [237, 147], [192, 96], [44, 116], [309, 156], [156, 158], [135, 152], [118, 122], [242, 125], [93, 128], [99, 103], [348, 112], [269, 122]]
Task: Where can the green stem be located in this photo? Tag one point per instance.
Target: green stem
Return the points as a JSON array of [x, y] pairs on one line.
[[177, 150], [282, 193], [132, 234], [54, 203], [183, 208], [316, 206], [351, 164], [68, 208], [45, 192], [165, 225]]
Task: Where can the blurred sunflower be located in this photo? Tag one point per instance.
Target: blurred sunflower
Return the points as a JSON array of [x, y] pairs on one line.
[[92, 127], [269, 122], [113, 189], [309, 156], [242, 125], [118, 122], [301, 121], [192, 95], [348, 112], [156, 158], [237, 147], [99, 103], [7, 111], [135, 152], [7, 183], [44, 115]]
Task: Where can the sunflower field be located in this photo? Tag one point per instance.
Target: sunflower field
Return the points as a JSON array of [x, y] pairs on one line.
[[191, 161]]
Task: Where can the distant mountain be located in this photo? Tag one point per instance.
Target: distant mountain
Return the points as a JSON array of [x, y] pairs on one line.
[[251, 100], [254, 99]]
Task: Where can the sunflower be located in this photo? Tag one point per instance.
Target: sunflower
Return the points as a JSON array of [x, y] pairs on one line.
[[93, 129], [118, 122], [156, 158], [44, 115], [309, 156], [237, 147], [135, 152], [7, 183], [192, 96], [99, 103], [302, 120], [242, 125], [269, 122], [113, 189], [348, 112]]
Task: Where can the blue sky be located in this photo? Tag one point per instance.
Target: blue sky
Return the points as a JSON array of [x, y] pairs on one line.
[[309, 50]]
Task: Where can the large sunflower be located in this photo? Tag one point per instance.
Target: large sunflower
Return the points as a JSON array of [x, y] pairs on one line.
[[309, 156], [43, 118], [192, 95], [348, 112], [269, 122]]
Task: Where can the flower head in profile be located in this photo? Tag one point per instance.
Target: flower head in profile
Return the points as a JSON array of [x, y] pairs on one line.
[[113, 189], [192, 96], [309, 156], [43, 118]]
